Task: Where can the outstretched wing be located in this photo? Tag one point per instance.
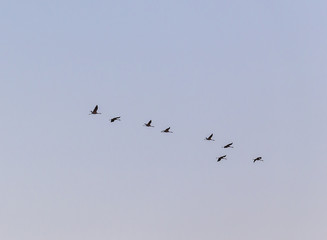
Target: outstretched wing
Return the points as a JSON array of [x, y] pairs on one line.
[[95, 109], [114, 119], [220, 158], [149, 123]]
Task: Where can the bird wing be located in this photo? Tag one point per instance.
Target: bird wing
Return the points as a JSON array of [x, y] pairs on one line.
[[210, 136], [95, 109], [149, 123], [114, 119]]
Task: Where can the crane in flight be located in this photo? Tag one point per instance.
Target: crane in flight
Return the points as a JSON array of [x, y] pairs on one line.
[[257, 159], [114, 119], [221, 158], [95, 110], [229, 145], [166, 130], [148, 124], [209, 138]]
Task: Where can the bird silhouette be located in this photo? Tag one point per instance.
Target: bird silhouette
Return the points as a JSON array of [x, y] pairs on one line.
[[166, 130], [114, 119], [229, 145], [95, 110], [148, 124], [257, 159], [210, 138], [221, 158]]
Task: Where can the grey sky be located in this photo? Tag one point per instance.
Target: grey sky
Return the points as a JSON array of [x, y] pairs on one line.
[[251, 72]]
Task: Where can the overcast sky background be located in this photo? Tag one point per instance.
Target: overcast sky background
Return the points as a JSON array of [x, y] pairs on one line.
[[251, 72]]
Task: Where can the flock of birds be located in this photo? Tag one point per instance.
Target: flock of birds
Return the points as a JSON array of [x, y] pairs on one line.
[[167, 130]]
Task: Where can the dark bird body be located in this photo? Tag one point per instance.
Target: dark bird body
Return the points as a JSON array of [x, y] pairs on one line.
[[166, 130], [210, 138], [257, 159], [95, 110], [148, 124], [228, 145], [221, 158], [114, 119]]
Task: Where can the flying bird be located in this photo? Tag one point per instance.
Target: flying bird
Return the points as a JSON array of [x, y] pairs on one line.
[[228, 145], [221, 158], [148, 124], [95, 110], [257, 159], [114, 119], [210, 138], [166, 130]]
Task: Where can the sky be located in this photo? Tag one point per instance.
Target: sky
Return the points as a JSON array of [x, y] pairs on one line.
[[250, 72]]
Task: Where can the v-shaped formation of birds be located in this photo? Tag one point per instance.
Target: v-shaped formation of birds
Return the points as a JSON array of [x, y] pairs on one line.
[[167, 130]]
